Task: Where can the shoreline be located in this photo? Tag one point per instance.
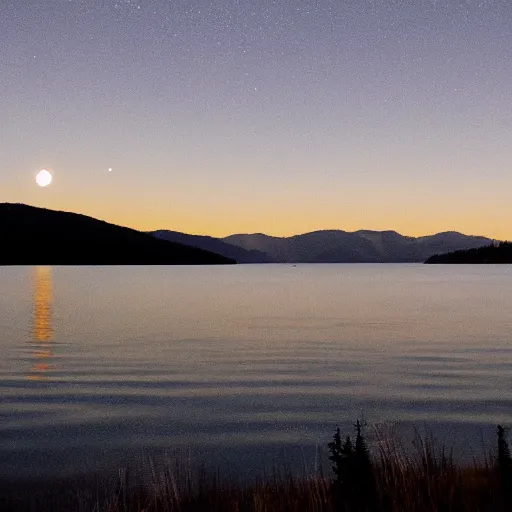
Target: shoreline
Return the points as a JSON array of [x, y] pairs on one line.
[[389, 477]]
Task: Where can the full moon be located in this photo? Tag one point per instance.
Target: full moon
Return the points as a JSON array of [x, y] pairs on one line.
[[43, 178]]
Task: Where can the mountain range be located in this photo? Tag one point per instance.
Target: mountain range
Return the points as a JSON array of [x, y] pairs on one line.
[[30, 235], [330, 246]]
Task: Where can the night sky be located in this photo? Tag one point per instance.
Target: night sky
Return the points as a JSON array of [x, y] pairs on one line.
[[261, 116]]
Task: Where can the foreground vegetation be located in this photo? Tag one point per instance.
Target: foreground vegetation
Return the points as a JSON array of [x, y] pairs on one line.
[[392, 478]]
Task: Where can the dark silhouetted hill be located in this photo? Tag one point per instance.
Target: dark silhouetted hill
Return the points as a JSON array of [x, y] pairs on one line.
[[364, 246], [500, 253], [36, 236], [215, 245]]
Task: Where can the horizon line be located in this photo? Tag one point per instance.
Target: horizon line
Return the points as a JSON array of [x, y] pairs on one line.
[[266, 234]]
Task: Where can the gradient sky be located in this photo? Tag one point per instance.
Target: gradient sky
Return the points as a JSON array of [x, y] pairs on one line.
[[278, 116]]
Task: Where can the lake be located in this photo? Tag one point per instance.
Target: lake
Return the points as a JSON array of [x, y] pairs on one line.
[[243, 367]]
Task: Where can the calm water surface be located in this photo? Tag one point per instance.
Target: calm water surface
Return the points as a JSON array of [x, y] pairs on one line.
[[242, 365]]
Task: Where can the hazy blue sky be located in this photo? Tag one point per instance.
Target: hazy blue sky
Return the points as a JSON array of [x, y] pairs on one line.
[[275, 116]]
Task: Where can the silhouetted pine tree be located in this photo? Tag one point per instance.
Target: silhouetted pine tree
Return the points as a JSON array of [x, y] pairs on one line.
[[353, 486], [362, 453], [342, 457], [336, 449], [505, 467], [364, 479]]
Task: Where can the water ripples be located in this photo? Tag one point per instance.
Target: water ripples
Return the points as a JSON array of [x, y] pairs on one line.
[[89, 374]]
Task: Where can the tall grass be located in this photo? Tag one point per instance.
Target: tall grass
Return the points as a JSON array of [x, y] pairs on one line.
[[390, 477]]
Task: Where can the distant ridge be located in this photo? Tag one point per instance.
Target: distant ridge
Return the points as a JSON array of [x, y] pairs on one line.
[[37, 236], [363, 246], [330, 246], [495, 253], [215, 245]]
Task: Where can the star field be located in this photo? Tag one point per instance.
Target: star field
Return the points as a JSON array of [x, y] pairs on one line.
[[275, 116]]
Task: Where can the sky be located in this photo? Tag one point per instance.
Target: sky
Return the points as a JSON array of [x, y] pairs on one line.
[[241, 116]]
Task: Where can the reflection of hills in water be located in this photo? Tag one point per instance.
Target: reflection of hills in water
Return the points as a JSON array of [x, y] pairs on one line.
[[42, 330]]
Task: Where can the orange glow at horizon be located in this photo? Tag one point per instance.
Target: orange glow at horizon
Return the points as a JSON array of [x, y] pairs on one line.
[[415, 216], [282, 225]]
